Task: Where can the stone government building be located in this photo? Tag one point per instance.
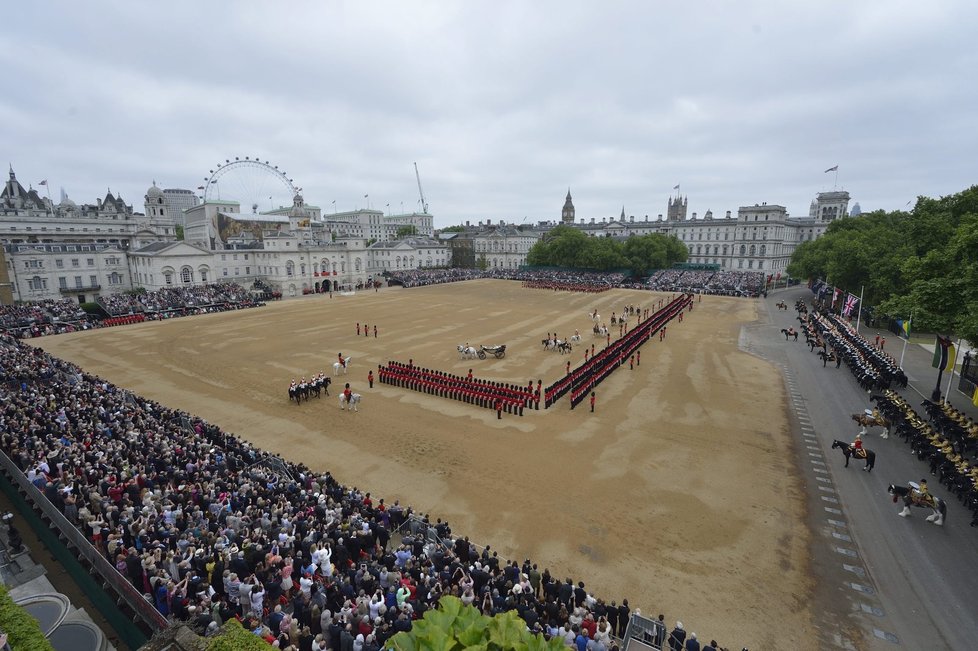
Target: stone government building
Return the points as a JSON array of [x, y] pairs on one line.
[[761, 237], [81, 252]]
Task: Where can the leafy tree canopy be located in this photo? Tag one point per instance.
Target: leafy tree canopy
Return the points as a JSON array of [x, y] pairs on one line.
[[453, 229], [565, 246], [922, 263], [406, 231]]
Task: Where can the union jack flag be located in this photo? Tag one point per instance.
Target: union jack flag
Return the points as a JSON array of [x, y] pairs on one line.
[[851, 301]]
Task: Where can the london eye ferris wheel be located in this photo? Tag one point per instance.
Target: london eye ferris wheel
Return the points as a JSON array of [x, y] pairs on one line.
[[258, 186]]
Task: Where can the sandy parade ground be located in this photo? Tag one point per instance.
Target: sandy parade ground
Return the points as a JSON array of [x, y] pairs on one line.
[[674, 494]]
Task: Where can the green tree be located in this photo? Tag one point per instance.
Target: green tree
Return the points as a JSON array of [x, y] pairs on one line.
[[179, 230], [923, 262], [453, 626], [452, 229], [566, 246], [482, 263], [406, 231]]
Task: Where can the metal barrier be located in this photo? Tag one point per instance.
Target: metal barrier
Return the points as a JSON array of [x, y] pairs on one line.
[[119, 584], [643, 633]]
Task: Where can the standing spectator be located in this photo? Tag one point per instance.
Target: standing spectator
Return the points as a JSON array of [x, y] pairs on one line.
[[375, 331], [677, 637], [592, 401]]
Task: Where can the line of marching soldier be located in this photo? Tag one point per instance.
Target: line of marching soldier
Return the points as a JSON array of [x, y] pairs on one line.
[[501, 396]]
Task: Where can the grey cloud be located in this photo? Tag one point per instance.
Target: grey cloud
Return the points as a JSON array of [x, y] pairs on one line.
[[504, 105]]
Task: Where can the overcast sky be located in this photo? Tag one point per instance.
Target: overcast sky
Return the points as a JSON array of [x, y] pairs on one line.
[[503, 105]]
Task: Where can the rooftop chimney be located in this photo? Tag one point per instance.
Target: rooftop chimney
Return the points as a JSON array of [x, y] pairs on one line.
[[728, 214], [694, 216]]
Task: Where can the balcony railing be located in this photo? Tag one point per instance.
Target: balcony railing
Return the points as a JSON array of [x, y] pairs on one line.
[[80, 290]]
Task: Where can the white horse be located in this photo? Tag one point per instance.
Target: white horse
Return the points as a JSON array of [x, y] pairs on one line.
[[575, 338], [594, 316], [337, 367], [600, 331], [466, 352], [354, 401]]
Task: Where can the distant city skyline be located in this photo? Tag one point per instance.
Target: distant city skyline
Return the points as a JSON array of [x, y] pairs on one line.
[[502, 105]]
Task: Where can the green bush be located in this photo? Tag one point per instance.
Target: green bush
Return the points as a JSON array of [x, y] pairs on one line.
[[235, 638], [23, 631], [454, 627]]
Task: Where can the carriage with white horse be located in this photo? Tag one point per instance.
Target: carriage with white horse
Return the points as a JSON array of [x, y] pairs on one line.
[[497, 351]]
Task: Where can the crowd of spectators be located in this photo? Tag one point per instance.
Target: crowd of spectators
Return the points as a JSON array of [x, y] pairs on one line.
[[210, 529], [40, 313], [175, 298], [49, 317], [699, 281], [547, 278]]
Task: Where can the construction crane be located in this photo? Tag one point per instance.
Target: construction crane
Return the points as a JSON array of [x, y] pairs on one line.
[[424, 204]]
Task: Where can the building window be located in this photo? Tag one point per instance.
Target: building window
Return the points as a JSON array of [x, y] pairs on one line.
[[78, 282], [185, 275], [74, 263], [62, 282], [168, 277]]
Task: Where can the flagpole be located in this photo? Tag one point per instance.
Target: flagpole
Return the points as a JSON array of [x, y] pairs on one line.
[[859, 308], [935, 395], [835, 182]]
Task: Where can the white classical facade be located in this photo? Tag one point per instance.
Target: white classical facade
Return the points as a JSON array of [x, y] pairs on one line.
[[407, 253], [80, 271], [503, 247]]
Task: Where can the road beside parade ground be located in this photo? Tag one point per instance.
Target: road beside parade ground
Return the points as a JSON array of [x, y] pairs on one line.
[[677, 493]]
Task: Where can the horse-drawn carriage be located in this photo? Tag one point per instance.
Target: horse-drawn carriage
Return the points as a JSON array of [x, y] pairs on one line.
[[498, 351]]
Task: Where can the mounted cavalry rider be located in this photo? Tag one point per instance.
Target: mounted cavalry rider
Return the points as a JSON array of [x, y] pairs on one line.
[[341, 359], [857, 447], [347, 394], [921, 495]]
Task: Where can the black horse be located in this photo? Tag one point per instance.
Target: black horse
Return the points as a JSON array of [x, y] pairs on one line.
[[912, 497], [789, 333], [564, 347], [848, 451], [298, 393]]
